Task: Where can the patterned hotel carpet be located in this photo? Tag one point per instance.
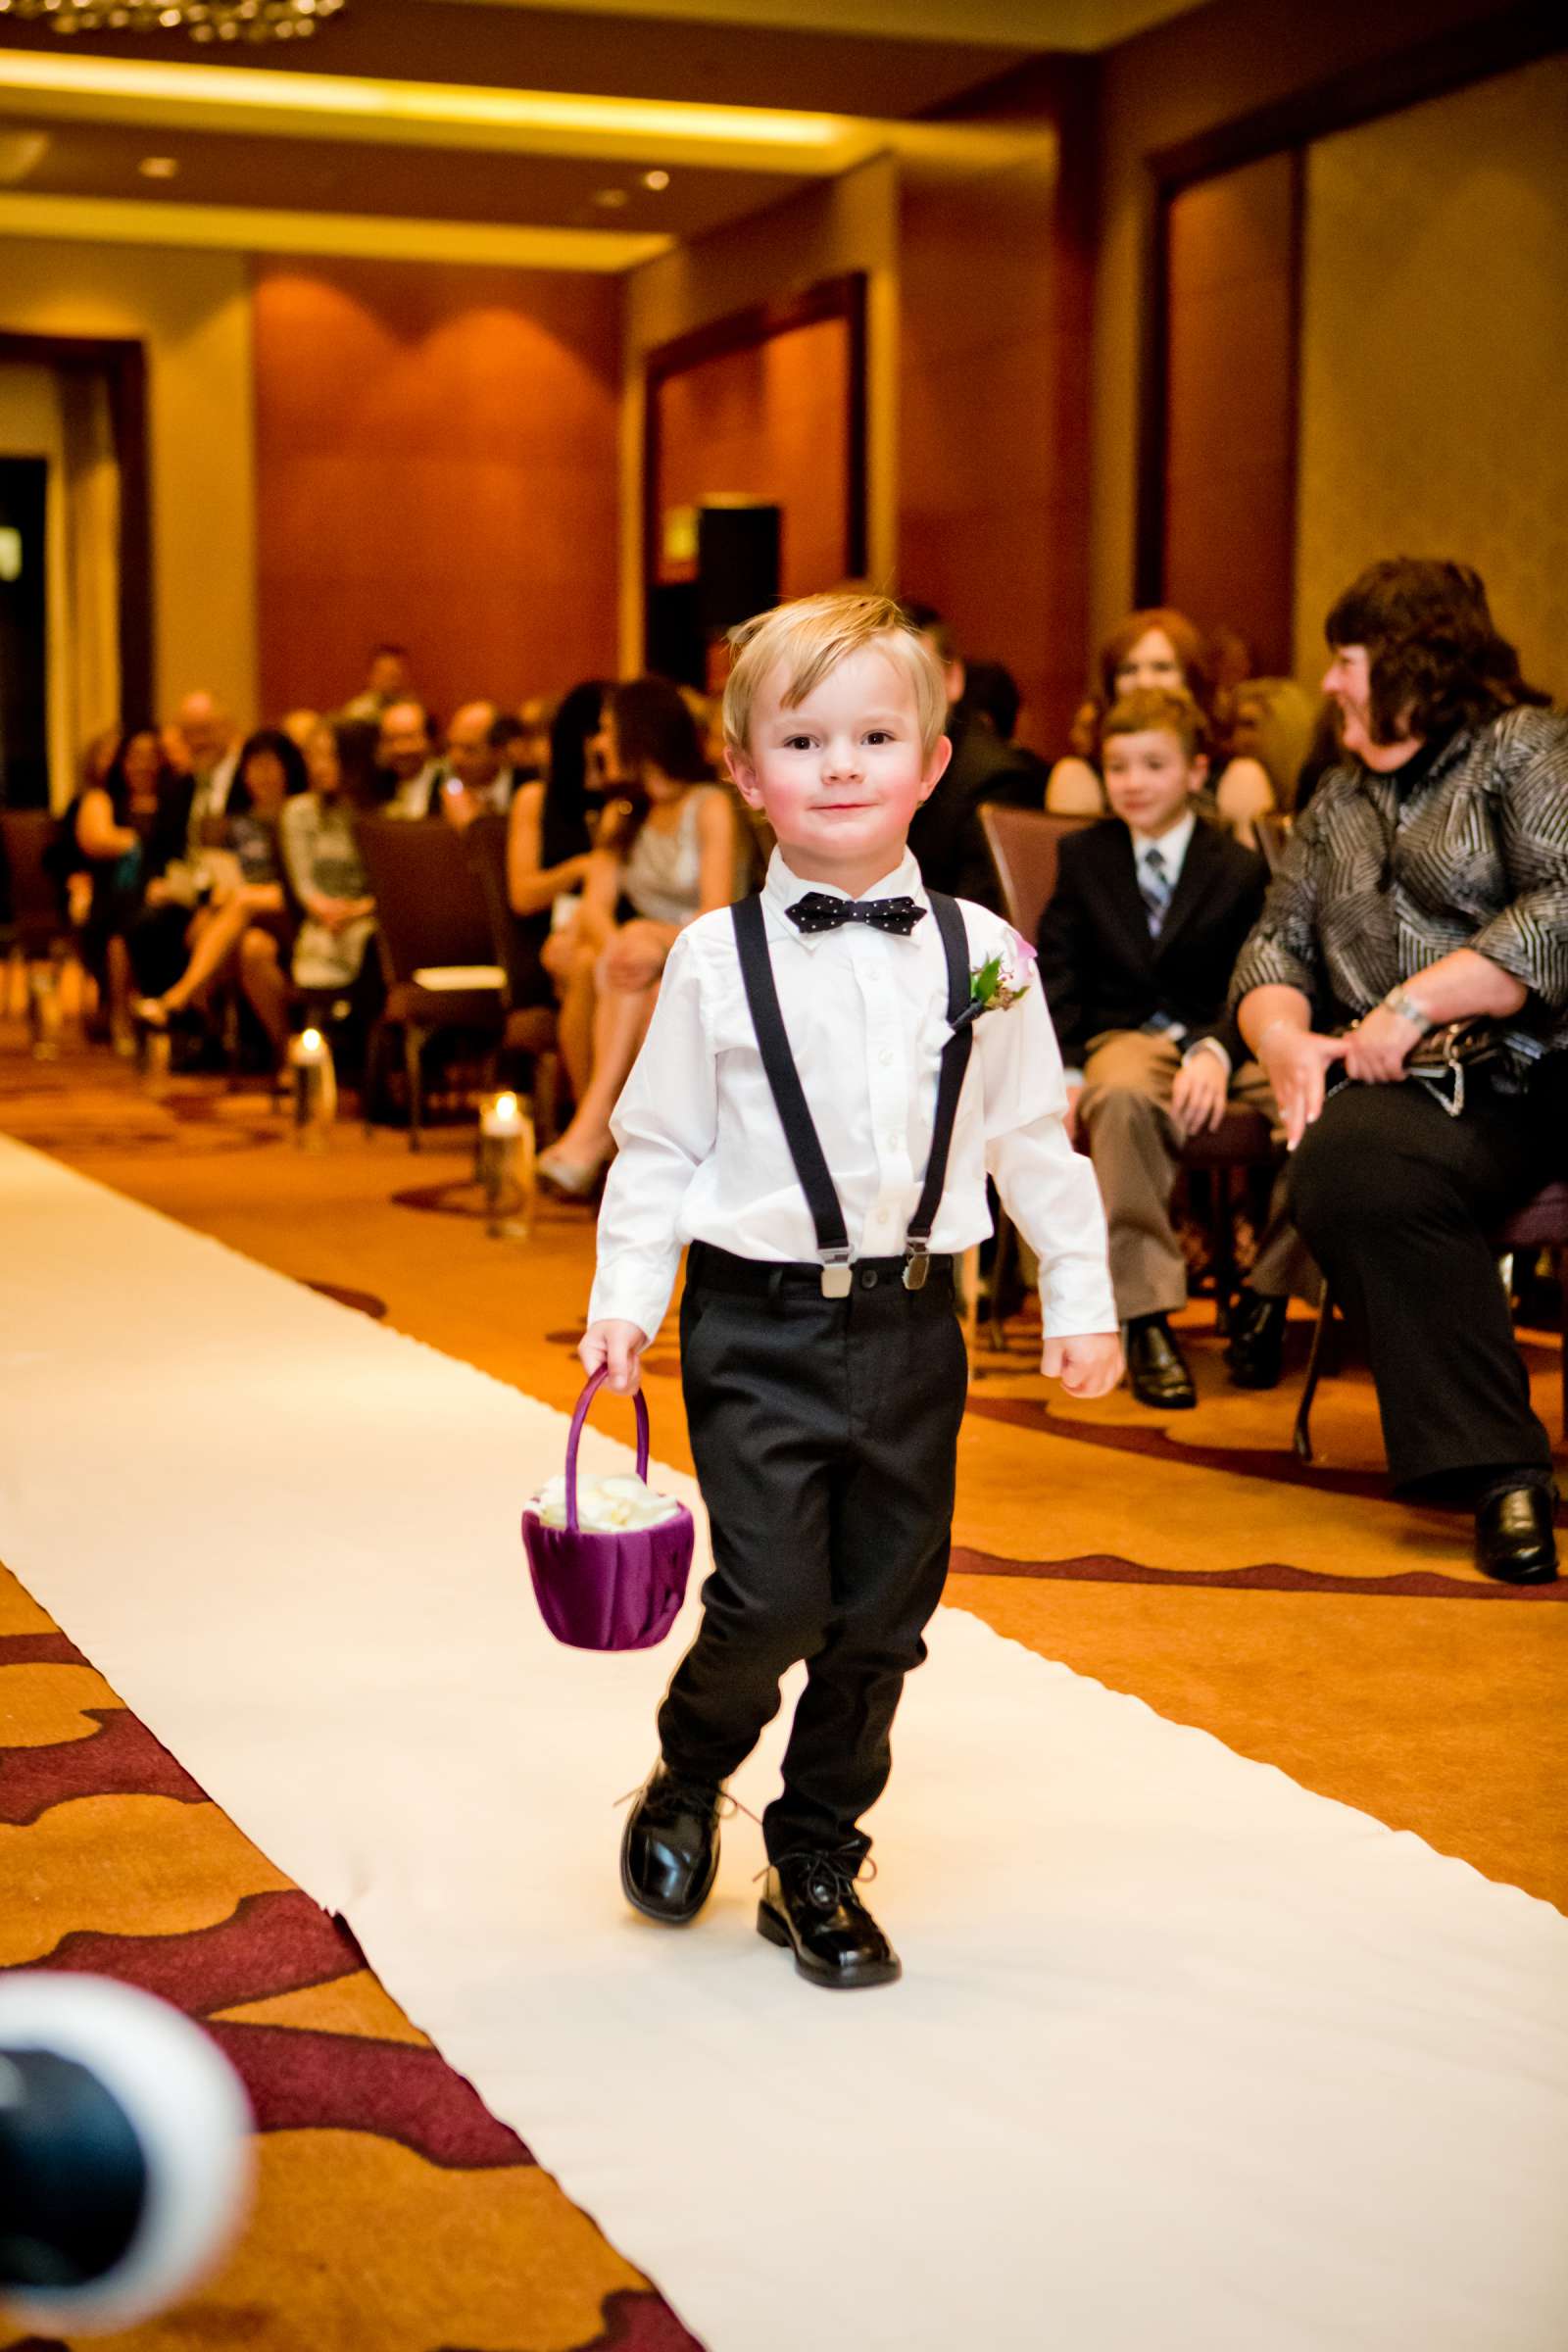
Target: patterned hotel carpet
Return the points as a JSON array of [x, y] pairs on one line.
[[1300, 1617]]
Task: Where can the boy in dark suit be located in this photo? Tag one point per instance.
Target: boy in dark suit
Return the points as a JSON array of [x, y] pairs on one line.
[[1136, 947]]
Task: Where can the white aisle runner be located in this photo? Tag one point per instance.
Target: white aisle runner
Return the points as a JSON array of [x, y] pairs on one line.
[[1185, 2057]]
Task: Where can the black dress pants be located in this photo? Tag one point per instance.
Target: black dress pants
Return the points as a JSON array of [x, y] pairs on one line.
[[826, 1434], [1396, 1200]]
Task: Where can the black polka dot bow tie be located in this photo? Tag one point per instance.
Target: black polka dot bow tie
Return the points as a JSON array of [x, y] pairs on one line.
[[816, 911]]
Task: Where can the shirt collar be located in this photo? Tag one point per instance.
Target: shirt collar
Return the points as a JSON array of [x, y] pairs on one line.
[[1172, 846], [784, 886]]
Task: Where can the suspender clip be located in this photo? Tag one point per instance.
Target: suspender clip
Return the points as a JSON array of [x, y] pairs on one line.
[[837, 1278], [917, 1266]]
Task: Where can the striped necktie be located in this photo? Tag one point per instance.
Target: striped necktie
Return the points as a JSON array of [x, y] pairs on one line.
[[1154, 888]]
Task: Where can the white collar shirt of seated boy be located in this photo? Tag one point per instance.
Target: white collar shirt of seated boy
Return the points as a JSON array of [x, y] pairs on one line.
[[703, 1156]]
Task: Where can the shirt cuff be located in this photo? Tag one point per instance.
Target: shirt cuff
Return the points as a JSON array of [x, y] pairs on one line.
[[1209, 1045], [631, 1291]]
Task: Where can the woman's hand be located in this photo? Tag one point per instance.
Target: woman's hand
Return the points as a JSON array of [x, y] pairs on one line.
[[1377, 1047], [1199, 1093], [1298, 1062], [636, 955], [1085, 1367], [618, 1345]]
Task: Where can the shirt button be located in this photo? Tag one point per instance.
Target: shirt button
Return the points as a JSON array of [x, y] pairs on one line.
[[884, 1216], [885, 1056], [895, 1142]]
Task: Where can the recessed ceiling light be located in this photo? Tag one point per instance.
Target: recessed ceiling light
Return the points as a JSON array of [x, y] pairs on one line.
[[157, 166], [655, 181], [612, 199]]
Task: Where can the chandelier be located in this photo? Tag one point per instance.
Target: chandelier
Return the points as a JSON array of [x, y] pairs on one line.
[[203, 19]]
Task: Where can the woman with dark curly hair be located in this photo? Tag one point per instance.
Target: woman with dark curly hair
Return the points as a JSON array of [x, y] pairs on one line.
[[1426, 884]]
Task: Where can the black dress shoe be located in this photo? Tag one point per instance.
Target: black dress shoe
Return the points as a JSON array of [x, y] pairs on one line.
[[1157, 1369], [1514, 1540], [1254, 1352], [809, 1908], [669, 1852]]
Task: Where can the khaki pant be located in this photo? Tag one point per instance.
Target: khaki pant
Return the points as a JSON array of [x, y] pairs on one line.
[[1125, 1114]]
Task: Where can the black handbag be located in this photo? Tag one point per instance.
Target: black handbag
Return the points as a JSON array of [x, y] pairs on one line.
[[1445, 1057]]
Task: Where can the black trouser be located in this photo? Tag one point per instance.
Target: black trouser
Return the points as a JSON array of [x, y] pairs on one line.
[[1396, 1202], [825, 1433]]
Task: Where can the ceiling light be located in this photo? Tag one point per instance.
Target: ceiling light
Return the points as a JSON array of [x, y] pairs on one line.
[[612, 199], [157, 166], [203, 19], [657, 180]]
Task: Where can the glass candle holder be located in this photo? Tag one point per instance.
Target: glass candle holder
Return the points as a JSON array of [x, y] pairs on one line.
[[314, 1084], [504, 1167]]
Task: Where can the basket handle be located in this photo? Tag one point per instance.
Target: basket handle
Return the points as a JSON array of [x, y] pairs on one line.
[[596, 1381]]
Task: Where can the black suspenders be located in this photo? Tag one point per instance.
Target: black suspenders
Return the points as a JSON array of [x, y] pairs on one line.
[[794, 1115]]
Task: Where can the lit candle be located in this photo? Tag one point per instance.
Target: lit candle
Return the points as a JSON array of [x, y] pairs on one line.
[[502, 1115], [310, 1061], [506, 1166]]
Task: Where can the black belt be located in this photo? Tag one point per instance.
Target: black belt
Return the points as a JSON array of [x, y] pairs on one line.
[[710, 1268]]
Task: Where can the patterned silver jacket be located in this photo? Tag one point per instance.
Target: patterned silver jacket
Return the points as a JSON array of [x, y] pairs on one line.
[[1375, 885]]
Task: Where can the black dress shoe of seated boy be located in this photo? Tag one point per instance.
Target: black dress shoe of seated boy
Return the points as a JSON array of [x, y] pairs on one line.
[[669, 1851], [1157, 1369], [809, 1908], [1254, 1354], [1514, 1539]]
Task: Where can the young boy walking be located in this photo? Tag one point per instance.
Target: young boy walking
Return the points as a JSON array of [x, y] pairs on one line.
[[833, 1069]]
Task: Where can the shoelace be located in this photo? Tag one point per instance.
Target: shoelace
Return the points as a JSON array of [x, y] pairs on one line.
[[677, 1792], [833, 1873]]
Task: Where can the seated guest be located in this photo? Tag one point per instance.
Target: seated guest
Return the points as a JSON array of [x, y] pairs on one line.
[[549, 837], [1427, 882], [528, 747], [1136, 951], [476, 779], [1162, 648], [246, 915], [670, 857], [406, 755], [991, 698], [321, 860], [129, 828], [946, 835], [65, 860], [210, 742], [386, 682]]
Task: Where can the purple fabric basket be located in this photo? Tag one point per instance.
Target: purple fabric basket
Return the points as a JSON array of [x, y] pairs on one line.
[[620, 1590]]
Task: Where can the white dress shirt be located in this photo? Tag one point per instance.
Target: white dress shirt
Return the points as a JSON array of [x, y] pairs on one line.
[[1172, 848], [701, 1152]]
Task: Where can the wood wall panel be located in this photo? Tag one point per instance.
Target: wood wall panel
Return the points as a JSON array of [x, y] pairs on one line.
[[436, 463], [1232, 273], [771, 421], [994, 403]]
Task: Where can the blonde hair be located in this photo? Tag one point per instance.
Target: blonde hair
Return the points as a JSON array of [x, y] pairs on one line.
[[810, 636], [1156, 711]]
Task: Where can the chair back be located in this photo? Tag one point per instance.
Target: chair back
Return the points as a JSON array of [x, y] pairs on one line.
[[1024, 845], [429, 907], [515, 940], [35, 918], [1273, 832], [1541, 1223]]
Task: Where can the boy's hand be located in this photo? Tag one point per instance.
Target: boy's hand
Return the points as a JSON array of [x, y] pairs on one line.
[[1070, 1118], [619, 1345], [1199, 1094], [1085, 1367]]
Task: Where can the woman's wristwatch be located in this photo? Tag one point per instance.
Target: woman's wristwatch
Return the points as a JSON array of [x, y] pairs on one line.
[[1405, 1007]]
